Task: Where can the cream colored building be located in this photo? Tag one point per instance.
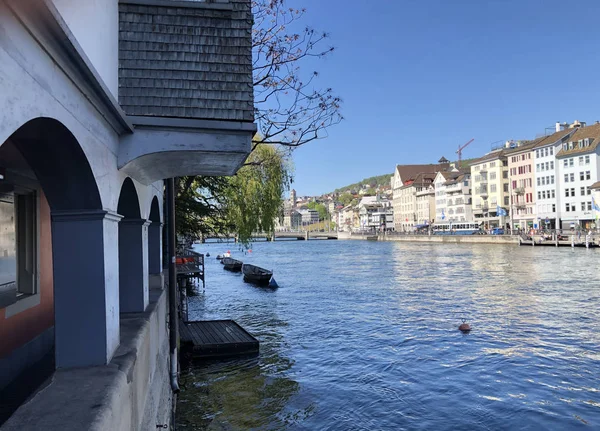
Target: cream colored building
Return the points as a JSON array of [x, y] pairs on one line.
[[425, 202], [403, 203], [491, 188], [408, 200]]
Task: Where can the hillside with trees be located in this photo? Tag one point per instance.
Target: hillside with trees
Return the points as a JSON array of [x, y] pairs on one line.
[[380, 180]]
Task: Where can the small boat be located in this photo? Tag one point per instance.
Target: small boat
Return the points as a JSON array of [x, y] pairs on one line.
[[257, 275], [223, 256], [231, 264]]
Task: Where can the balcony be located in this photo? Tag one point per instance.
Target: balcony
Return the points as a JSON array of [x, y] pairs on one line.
[[185, 83], [481, 208], [483, 191], [520, 191]]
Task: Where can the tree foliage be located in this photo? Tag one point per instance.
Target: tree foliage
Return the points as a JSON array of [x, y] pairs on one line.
[[201, 206], [248, 202], [254, 197], [320, 208], [379, 180], [345, 198]]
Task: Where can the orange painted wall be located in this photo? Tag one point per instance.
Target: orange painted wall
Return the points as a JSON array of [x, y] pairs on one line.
[[25, 326]]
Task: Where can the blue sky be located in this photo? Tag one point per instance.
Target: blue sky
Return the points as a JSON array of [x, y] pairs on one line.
[[420, 77]]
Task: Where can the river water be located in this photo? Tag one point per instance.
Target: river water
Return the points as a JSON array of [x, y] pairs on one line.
[[363, 336]]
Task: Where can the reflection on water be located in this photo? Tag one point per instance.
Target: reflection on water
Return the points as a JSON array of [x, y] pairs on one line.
[[362, 335]]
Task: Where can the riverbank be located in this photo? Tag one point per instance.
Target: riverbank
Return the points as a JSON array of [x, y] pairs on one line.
[[446, 239]]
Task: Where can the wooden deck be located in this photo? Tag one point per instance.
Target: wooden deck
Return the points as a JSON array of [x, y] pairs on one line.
[[216, 338]]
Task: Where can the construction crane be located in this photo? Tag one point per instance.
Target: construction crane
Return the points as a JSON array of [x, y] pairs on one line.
[[459, 152]]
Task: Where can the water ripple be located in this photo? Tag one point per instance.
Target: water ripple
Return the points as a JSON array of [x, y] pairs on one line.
[[362, 336]]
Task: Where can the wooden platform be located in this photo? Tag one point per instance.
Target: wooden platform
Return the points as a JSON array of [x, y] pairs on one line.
[[216, 338]]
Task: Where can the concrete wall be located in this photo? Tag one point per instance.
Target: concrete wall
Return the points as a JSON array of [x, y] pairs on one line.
[[24, 332], [451, 239], [95, 25], [131, 393], [33, 86]]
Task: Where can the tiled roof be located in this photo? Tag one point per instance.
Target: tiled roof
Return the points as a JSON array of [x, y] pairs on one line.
[[595, 186], [492, 155], [554, 138], [456, 177], [408, 172], [526, 146], [590, 132], [187, 62]]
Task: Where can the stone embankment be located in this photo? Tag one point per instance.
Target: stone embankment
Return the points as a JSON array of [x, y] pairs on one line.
[[446, 239]]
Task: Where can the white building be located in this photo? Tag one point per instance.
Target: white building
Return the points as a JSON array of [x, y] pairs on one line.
[[97, 110], [425, 205], [458, 197], [404, 174], [453, 197], [308, 216], [375, 213], [577, 162], [546, 179]]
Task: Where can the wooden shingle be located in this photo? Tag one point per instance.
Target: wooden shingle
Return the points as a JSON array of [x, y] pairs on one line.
[[186, 62]]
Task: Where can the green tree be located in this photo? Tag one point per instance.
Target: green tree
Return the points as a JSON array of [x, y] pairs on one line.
[[320, 208], [254, 197], [247, 202], [345, 198]]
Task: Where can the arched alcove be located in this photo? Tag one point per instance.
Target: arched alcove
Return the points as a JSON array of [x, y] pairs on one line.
[[155, 239], [133, 251], [83, 290]]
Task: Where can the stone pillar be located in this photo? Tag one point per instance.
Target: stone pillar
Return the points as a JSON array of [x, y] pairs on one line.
[[155, 248], [133, 265], [86, 287]]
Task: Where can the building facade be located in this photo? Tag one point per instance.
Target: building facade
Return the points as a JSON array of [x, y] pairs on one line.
[[97, 111], [577, 162], [400, 199], [408, 200], [546, 179], [522, 185], [375, 214], [458, 197], [425, 204], [491, 196]]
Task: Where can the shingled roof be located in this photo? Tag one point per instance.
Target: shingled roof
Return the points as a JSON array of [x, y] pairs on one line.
[[186, 60], [492, 155], [581, 133], [408, 172]]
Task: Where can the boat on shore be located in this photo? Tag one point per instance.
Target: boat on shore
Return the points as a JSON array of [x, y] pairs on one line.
[[256, 274], [231, 264]]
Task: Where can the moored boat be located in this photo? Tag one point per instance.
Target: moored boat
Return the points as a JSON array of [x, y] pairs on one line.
[[231, 264], [223, 256], [257, 275]]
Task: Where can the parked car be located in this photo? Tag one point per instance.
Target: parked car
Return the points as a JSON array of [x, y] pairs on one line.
[[497, 231]]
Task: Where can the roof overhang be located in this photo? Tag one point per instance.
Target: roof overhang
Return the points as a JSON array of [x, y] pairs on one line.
[[172, 147]]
